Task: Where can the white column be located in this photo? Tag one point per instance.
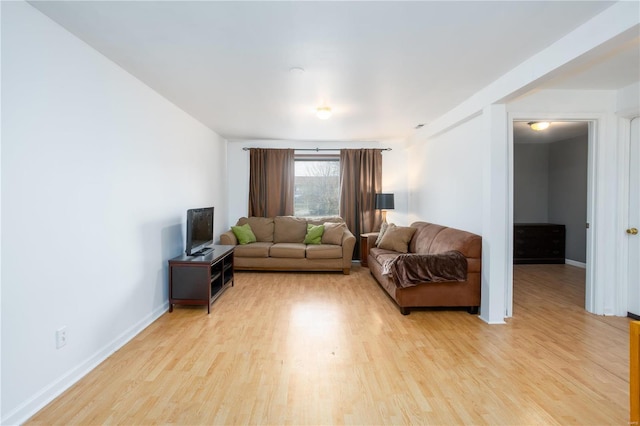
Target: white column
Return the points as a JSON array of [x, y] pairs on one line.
[[494, 215]]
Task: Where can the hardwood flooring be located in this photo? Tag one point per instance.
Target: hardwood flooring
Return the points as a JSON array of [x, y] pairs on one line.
[[327, 348]]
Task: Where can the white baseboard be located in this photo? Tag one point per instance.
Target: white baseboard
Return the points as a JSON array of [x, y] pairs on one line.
[[575, 263], [38, 401]]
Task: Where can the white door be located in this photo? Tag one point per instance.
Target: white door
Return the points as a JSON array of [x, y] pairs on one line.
[[633, 233]]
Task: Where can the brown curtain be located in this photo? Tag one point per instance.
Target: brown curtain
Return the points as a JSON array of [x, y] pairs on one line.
[[271, 182], [360, 180]]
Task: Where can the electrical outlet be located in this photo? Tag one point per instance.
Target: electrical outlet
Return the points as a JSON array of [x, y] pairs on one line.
[[61, 337]]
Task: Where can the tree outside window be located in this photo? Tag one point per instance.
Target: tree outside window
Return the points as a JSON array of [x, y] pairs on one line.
[[317, 188]]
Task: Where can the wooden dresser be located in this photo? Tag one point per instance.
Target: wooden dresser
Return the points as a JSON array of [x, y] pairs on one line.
[[538, 243]]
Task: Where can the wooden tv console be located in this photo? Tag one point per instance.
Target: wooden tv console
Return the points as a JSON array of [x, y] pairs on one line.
[[200, 280]]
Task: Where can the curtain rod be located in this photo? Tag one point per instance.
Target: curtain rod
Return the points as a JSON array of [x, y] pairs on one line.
[[322, 149]]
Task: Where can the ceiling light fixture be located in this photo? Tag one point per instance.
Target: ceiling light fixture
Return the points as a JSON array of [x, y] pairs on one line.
[[538, 125], [323, 112]]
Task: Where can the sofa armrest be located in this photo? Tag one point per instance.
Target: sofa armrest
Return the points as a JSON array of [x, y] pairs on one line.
[[348, 244], [228, 239]]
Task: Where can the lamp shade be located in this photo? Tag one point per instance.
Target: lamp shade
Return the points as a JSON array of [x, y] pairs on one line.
[[384, 202]]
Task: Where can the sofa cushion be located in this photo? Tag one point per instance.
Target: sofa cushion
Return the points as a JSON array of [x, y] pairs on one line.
[[397, 238], [252, 250], [422, 239], [382, 255], [262, 227], [333, 233], [314, 234], [290, 250], [324, 251], [244, 234], [454, 239], [323, 220], [289, 229]]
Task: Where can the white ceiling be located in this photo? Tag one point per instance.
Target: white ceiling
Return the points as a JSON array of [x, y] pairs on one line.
[[383, 67]]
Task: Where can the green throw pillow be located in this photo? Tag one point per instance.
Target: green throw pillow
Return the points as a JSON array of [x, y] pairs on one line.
[[244, 234], [314, 234]]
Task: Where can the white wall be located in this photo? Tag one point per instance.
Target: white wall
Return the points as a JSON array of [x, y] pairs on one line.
[[628, 101], [97, 174], [394, 175], [446, 178]]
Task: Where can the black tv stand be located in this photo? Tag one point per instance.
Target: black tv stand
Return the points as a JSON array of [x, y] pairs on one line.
[[200, 280]]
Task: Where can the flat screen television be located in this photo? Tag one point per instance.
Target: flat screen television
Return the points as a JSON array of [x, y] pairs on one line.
[[199, 231]]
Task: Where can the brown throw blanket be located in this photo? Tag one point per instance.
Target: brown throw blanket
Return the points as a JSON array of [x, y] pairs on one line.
[[408, 270]]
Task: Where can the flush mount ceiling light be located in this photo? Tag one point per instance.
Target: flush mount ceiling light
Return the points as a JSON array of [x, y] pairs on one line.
[[538, 125], [323, 112]]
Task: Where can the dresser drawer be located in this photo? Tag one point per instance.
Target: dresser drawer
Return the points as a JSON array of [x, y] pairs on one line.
[[538, 243]]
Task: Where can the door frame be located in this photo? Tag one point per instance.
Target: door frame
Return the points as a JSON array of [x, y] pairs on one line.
[[593, 293]]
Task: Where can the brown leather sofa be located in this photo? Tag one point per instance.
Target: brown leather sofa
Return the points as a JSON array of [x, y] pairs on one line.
[[432, 239], [280, 245]]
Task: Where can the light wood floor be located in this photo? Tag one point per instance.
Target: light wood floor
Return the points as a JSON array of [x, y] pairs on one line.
[[287, 348]]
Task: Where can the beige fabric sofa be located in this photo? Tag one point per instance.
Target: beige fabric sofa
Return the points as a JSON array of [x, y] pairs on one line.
[[280, 245]]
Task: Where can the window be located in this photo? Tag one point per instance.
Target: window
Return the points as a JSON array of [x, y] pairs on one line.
[[317, 186]]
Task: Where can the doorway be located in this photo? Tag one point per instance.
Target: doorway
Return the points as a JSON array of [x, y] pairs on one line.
[[551, 187]]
